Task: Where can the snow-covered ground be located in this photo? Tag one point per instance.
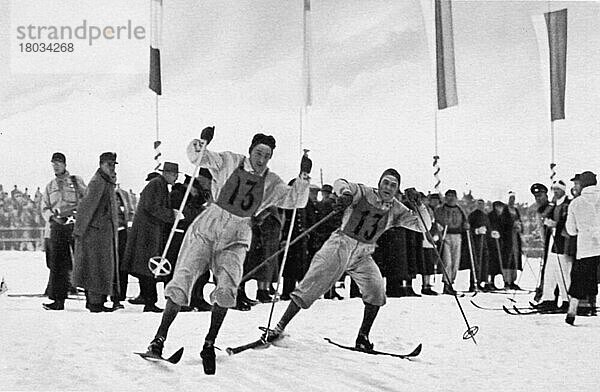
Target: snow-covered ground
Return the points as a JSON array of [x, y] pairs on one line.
[[80, 351]]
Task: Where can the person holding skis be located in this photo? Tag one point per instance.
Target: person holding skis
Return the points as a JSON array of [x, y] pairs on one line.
[[220, 237], [368, 213]]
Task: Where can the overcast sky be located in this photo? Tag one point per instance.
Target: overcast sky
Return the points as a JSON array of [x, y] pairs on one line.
[[238, 65]]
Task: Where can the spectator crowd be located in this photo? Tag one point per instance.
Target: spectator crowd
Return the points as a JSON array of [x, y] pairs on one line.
[[487, 238]]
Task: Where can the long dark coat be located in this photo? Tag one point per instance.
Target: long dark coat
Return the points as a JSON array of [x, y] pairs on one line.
[[151, 225], [96, 257], [391, 254]]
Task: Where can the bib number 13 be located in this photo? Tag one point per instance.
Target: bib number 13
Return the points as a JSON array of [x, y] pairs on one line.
[[370, 222], [248, 197]]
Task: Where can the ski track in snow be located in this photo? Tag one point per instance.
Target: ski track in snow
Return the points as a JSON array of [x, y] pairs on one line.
[[78, 350]]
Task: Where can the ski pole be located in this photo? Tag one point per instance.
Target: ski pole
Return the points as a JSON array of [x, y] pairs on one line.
[[512, 299], [440, 250], [249, 274], [471, 331], [159, 265], [472, 262], [500, 257], [562, 274], [481, 277], [281, 268]]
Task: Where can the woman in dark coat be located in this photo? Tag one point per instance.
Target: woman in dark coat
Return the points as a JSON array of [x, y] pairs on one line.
[[96, 257]]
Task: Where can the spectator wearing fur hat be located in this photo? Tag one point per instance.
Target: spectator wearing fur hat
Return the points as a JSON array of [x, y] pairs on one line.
[[451, 216], [560, 258], [583, 221]]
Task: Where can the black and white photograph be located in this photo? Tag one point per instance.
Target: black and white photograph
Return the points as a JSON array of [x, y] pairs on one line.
[[299, 195]]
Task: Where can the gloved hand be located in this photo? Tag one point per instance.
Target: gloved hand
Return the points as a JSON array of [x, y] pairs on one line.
[[549, 222], [495, 234], [207, 134], [343, 201], [413, 196], [305, 164], [481, 230], [178, 214]]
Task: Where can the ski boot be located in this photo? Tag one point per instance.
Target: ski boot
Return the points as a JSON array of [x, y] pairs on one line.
[[208, 358], [271, 335], [156, 346], [363, 343]]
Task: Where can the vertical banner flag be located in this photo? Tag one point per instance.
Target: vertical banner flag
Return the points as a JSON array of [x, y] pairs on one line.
[[446, 75], [556, 22], [155, 35], [306, 52]]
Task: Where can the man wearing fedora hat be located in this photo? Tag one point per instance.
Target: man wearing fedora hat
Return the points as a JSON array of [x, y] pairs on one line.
[[96, 265], [59, 205], [219, 238], [151, 224]]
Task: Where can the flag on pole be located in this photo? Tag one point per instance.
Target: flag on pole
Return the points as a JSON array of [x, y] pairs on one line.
[[444, 40], [155, 38], [306, 52], [556, 23]]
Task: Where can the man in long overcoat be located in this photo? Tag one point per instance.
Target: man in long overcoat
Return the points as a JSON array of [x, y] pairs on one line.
[[151, 225], [96, 257]]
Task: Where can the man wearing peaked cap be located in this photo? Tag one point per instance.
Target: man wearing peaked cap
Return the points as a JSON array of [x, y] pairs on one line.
[[96, 264], [544, 210], [538, 188], [59, 205]]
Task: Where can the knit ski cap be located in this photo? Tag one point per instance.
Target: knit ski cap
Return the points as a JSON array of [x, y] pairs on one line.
[[261, 138], [560, 184], [390, 172]]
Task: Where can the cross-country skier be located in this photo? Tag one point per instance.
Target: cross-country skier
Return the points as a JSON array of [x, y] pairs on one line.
[[368, 213], [220, 237]]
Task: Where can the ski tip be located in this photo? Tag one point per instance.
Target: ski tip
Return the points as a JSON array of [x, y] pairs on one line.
[[176, 357], [418, 349], [229, 351]]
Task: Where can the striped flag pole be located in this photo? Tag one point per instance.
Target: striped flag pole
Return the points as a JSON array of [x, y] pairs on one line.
[[155, 82]]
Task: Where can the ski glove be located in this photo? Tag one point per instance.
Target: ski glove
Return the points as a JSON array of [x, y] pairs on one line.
[[413, 196], [495, 234], [207, 134], [343, 201], [305, 164]]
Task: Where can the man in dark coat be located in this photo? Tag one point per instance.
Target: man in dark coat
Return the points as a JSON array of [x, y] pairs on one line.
[[151, 224], [96, 258]]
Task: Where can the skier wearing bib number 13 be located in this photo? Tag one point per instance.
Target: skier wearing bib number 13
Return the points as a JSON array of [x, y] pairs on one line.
[[220, 237], [368, 213]]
